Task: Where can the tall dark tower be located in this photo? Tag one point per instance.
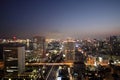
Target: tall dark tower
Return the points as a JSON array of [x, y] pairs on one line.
[[69, 48], [39, 45]]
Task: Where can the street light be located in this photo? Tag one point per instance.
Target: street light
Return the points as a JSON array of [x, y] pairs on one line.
[[9, 79], [64, 55]]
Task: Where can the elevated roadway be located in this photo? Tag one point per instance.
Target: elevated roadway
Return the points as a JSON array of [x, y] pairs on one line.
[[48, 64]]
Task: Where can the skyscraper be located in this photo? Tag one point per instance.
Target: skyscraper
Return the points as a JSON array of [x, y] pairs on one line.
[[14, 59], [69, 46], [39, 45]]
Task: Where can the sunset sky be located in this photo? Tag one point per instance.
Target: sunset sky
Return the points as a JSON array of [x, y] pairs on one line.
[[59, 18]]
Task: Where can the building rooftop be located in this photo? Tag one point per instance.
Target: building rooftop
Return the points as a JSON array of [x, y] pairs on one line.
[[12, 45]]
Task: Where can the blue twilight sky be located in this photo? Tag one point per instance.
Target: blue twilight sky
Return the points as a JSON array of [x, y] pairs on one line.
[[59, 18]]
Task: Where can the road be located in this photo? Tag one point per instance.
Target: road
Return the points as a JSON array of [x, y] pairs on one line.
[[52, 73]]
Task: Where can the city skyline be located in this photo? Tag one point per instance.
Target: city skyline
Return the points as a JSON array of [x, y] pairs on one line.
[[59, 18]]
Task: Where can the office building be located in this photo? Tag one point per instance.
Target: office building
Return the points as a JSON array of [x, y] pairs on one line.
[[14, 59], [39, 45], [69, 48]]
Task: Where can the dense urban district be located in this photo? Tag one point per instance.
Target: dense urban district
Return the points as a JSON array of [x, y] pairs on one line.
[[40, 58]]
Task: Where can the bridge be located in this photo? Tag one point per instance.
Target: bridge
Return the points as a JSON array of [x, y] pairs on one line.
[[49, 64], [58, 64]]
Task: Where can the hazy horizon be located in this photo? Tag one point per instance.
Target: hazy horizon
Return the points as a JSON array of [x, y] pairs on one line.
[[59, 18]]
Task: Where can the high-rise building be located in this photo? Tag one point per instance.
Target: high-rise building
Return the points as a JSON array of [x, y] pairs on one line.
[[1, 52], [39, 45], [14, 59], [69, 48], [115, 45]]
